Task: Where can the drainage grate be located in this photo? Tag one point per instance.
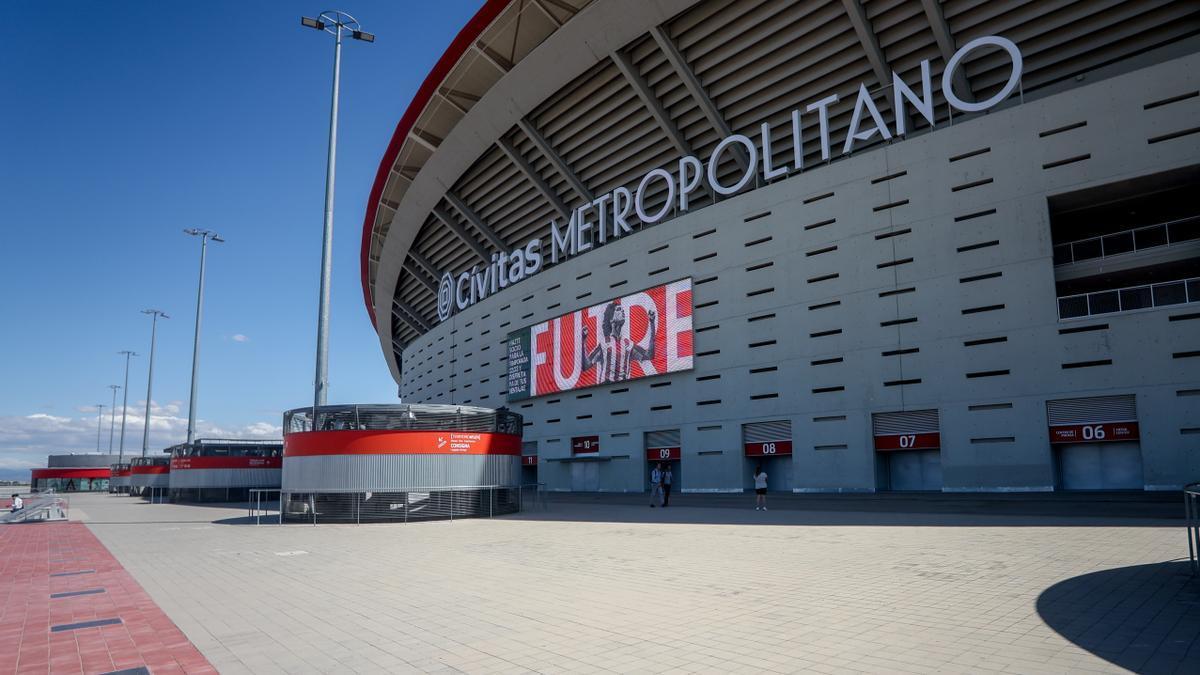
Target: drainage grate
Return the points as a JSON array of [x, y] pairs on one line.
[[72, 594], [83, 624]]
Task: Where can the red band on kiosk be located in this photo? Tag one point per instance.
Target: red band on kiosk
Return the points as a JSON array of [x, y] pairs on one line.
[[151, 468], [72, 473], [379, 442]]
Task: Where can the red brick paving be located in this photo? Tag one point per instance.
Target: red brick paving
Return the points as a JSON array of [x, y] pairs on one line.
[[29, 554]]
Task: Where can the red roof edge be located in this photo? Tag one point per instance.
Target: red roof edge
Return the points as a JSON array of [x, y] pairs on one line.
[[463, 41]]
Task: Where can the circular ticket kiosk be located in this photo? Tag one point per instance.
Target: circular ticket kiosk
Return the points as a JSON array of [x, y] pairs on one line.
[[149, 476], [399, 462], [216, 470], [119, 483]]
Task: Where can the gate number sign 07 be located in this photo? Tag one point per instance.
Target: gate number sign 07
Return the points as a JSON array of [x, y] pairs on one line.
[[908, 440]]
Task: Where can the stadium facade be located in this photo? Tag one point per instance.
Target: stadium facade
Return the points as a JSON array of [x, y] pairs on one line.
[[870, 245]]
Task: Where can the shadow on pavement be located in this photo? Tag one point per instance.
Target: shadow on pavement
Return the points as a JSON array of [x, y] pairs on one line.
[[880, 509], [1145, 618]]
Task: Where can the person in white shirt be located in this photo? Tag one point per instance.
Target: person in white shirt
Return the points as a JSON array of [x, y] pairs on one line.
[[656, 485], [17, 503], [760, 489]]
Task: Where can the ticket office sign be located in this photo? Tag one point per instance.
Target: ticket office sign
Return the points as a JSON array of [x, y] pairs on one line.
[[768, 448], [1101, 432]]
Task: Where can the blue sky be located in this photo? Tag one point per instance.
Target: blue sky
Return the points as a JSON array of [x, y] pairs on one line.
[[125, 124]]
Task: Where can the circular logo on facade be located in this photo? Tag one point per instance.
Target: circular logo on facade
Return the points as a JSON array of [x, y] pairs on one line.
[[445, 299]]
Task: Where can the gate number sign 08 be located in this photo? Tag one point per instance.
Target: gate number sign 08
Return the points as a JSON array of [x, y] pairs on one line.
[[768, 448]]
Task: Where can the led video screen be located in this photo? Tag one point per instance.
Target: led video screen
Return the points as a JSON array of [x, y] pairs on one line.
[[634, 336]]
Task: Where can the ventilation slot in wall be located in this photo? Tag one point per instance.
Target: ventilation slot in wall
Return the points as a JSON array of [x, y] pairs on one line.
[[890, 205], [1060, 130], [705, 233], [756, 216], [1083, 329], [883, 179], [827, 390], [1184, 317], [900, 352], [989, 406], [823, 333], [822, 223], [705, 280], [756, 242], [967, 155], [764, 369], [896, 383], [704, 257], [823, 277], [656, 249], [761, 397], [1087, 364], [830, 418], [760, 317], [823, 305], [897, 322], [972, 184], [760, 266], [985, 341], [893, 263], [986, 373], [1068, 160], [980, 310], [972, 216], [974, 247], [1170, 100], [893, 233], [981, 277], [760, 291], [824, 362], [1173, 135], [818, 198], [897, 291], [819, 251]]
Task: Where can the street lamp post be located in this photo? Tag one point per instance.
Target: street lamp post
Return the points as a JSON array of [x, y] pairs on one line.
[[112, 415], [204, 235], [154, 314], [124, 404], [99, 423], [333, 23]]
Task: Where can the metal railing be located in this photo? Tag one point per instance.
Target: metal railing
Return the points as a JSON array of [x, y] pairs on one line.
[[39, 506], [1191, 510], [255, 506], [1128, 241], [1128, 299]]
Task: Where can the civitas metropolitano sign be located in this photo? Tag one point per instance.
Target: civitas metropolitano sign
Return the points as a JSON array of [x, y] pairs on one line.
[[609, 216]]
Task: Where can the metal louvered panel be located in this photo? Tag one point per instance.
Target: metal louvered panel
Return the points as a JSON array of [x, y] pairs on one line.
[[905, 422], [529, 448], [663, 439], [765, 432], [357, 473], [1093, 410]]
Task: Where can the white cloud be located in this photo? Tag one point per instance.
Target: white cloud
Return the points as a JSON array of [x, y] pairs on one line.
[[25, 440], [238, 337]]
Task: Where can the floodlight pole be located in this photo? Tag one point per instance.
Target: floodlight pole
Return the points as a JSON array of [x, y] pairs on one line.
[[154, 314], [333, 23], [99, 424], [204, 235], [124, 404], [112, 423]]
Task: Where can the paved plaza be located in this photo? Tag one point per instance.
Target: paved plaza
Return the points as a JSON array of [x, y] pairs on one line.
[[610, 585]]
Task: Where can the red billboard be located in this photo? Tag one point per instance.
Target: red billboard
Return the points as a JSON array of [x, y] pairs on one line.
[[638, 335]]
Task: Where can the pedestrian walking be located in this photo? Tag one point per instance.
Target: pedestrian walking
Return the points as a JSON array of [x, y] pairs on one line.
[[666, 484], [760, 489], [17, 503], [656, 485]]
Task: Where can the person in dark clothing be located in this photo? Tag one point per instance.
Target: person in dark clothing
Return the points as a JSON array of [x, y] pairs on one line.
[[666, 486]]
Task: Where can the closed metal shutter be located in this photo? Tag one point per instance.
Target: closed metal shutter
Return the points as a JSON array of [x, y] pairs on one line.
[[1092, 410], [906, 422], [529, 448], [663, 439], [765, 432]]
